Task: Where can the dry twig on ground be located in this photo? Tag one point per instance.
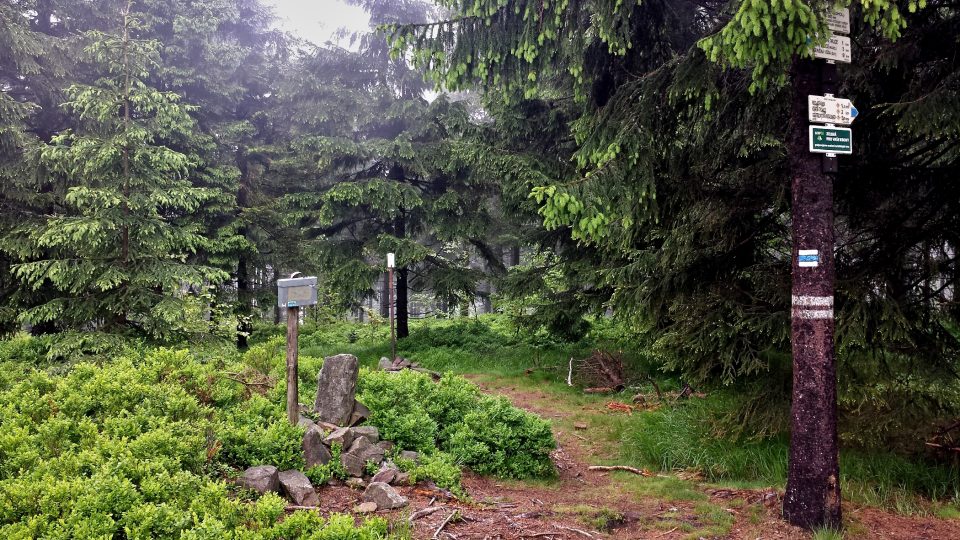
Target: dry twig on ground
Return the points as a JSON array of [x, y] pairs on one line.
[[633, 470]]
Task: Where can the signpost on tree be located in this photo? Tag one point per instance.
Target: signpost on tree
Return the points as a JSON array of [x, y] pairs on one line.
[[292, 293], [812, 496]]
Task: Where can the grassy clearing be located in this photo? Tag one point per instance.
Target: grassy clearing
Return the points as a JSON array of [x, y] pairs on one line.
[[670, 437]]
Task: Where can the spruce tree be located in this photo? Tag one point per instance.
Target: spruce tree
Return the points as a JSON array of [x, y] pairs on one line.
[[119, 250], [377, 171]]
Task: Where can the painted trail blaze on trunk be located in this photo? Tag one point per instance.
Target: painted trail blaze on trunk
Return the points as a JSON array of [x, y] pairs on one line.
[[813, 489]]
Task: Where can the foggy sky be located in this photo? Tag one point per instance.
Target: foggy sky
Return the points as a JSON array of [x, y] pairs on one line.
[[318, 20]]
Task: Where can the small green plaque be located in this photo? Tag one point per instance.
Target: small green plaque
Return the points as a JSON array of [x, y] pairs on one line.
[[831, 140]]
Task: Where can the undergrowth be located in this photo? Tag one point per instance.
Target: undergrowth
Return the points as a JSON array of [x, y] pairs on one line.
[[146, 445]]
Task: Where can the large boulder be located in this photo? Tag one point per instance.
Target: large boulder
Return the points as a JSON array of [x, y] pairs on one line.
[[336, 388], [315, 452], [385, 364], [262, 478], [298, 488], [386, 497]]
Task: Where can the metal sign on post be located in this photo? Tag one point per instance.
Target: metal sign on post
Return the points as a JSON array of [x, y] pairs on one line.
[[831, 110], [297, 292], [292, 293], [831, 140], [839, 20], [837, 48]]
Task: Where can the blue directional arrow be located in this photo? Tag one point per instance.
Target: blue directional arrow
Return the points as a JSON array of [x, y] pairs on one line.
[[853, 111]]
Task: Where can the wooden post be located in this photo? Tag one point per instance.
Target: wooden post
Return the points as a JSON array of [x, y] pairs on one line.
[[393, 333], [293, 331]]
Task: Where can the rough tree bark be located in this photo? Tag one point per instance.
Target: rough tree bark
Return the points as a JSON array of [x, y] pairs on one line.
[[813, 484], [243, 309]]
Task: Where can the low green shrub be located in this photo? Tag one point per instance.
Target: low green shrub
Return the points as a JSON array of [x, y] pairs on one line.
[[137, 448], [438, 467], [486, 434]]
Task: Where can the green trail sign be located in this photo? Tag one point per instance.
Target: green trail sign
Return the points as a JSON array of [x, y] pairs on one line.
[[831, 140]]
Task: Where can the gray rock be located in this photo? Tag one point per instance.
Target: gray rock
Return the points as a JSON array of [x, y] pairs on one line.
[[342, 436], [305, 422], [359, 414], [314, 451], [386, 475], [401, 363], [366, 508], [402, 479], [386, 445], [262, 478], [410, 456], [353, 459], [336, 387], [298, 488], [386, 497], [385, 364], [361, 451], [370, 433], [355, 483]]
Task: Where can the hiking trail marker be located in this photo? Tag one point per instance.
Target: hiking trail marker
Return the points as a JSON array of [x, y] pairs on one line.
[[839, 20], [831, 140], [837, 49], [831, 110]]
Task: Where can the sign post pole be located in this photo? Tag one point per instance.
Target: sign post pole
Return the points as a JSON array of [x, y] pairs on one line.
[[292, 293], [293, 334], [391, 260], [812, 497]]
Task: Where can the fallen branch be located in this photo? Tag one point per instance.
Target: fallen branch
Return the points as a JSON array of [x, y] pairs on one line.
[[633, 470], [423, 512], [571, 529], [570, 372], [666, 533], [950, 448], [444, 524]]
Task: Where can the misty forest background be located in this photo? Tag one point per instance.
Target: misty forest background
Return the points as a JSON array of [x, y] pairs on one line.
[[163, 162]]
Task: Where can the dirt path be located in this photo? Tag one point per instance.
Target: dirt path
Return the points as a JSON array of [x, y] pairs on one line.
[[583, 504]]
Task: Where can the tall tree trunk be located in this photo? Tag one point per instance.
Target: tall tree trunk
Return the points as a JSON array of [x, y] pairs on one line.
[[243, 311], [813, 484], [385, 295], [402, 313], [243, 308], [403, 329]]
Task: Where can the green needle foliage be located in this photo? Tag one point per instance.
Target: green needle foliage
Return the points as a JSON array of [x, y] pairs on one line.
[[672, 118], [118, 247]]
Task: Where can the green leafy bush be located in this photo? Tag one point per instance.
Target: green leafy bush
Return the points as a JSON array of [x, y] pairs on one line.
[[134, 449], [488, 435], [500, 439]]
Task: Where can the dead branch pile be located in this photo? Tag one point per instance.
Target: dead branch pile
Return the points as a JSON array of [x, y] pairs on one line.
[[601, 372]]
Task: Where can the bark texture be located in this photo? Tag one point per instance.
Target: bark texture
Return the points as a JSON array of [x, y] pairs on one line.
[[813, 489]]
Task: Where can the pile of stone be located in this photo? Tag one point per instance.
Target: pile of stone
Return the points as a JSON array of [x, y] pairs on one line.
[[338, 413], [400, 364]]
